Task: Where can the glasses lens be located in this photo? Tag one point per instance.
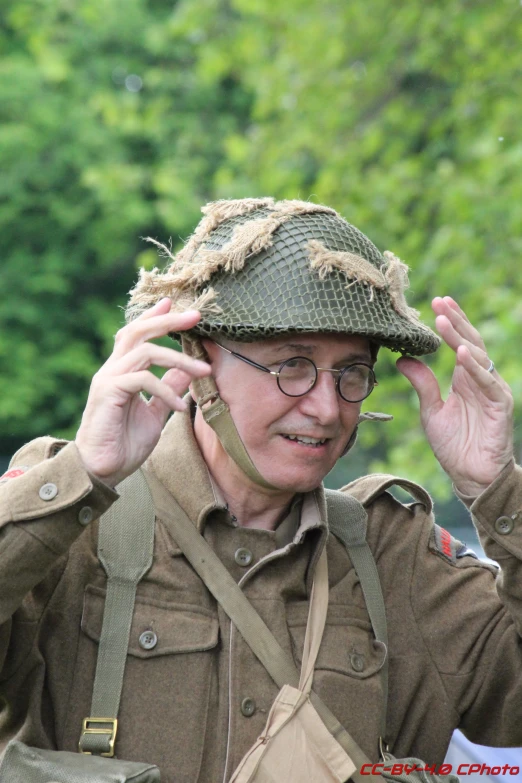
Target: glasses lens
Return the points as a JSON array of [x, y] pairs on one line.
[[297, 376], [356, 382]]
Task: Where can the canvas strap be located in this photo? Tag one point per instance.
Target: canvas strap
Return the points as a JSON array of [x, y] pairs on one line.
[[316, 621], [347, 520], [252, 628], [125, 548], [217, 414]]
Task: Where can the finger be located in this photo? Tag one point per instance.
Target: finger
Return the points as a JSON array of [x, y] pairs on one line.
[[450, 309], [461, 322], [147, 354], [455, 306], [178, 381], [485, 380], [160, 308], [145, 381], [423, 381], [454, 340], [156, 325]]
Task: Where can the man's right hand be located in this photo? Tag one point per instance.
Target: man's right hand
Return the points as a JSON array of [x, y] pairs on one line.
[[119, 427]]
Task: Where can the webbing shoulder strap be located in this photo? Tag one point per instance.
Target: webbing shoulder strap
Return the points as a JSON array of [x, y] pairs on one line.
[[347, 520], [125, 548]]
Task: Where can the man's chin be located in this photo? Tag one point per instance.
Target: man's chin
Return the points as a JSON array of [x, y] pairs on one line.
[[294, 481], [292, 468]]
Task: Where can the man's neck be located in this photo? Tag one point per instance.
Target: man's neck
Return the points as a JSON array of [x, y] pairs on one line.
[[250, 504], [251, 510]]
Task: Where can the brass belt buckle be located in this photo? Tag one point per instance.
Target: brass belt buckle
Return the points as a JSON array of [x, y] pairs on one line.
[[93, 726]]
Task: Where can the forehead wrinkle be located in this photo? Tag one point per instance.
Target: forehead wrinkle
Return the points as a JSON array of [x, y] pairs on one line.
[[309, 349], [296, 347]]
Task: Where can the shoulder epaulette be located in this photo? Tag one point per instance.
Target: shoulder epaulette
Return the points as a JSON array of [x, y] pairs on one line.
[[367, 488]]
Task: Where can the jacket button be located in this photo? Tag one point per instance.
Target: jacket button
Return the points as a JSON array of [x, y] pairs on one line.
[[148, 640], [243, 557], [504, 525], [85, 516], [357, 662], [248, 707], [48, 491]]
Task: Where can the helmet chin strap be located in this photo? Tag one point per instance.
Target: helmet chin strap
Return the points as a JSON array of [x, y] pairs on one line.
[[217, 415]]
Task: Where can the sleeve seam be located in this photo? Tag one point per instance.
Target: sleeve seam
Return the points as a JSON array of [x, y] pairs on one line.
[[421, 635], [36, 538]]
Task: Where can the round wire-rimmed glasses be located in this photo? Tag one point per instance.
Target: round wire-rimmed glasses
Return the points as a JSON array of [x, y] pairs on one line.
[[298, 375]]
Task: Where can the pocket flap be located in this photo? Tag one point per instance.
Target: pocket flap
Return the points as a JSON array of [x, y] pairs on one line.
[[158, 627], [348, 646]]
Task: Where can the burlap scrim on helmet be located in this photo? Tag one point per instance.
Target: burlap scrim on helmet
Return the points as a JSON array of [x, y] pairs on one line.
[[396, 276], [393, 275], [258, 268], [153, 286], [194, 265], [356, 268], [215, 213], [247, 239]]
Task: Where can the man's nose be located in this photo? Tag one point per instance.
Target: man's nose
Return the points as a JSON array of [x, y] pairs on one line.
[[323, 401]]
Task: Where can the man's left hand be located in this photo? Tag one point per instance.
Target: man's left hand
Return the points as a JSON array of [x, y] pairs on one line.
[[471, 432]]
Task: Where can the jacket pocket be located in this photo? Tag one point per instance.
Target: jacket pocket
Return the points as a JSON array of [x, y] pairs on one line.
[[158, 627], [348, 668], [169, 684]]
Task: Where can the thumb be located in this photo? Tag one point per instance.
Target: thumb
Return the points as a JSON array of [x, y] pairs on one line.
[[423, 381]]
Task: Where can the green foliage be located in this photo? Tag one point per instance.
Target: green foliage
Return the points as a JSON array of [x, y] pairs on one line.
[[106, 135], [405, 117]]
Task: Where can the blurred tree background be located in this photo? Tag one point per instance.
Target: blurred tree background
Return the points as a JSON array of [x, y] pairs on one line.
[[119, 119]]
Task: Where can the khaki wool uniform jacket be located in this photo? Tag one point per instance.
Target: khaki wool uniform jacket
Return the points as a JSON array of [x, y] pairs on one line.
[[197, 700]]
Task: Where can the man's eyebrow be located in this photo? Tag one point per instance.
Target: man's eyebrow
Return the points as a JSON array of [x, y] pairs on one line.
[[295, 347], [308, 350]]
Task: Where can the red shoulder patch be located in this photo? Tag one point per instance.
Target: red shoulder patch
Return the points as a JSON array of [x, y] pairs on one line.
[[443, 544], [13, 473]]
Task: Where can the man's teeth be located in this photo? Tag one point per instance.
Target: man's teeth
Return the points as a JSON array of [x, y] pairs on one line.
[[303, 439]]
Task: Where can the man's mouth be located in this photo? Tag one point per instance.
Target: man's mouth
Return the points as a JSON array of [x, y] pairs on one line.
[[306, 440]]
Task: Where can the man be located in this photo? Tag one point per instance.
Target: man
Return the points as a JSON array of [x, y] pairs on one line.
[[282, 308]]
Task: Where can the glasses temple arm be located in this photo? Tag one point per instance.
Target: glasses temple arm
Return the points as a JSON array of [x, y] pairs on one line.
[[244, 359]]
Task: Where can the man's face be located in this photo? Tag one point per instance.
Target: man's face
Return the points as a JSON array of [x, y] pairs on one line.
[[265, 417]]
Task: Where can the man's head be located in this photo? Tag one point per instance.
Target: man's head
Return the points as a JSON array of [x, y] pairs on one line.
[[272, 424], [262, 270]]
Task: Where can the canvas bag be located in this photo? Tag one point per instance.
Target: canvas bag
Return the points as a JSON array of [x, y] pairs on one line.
[[23, 764], [295, 744]]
